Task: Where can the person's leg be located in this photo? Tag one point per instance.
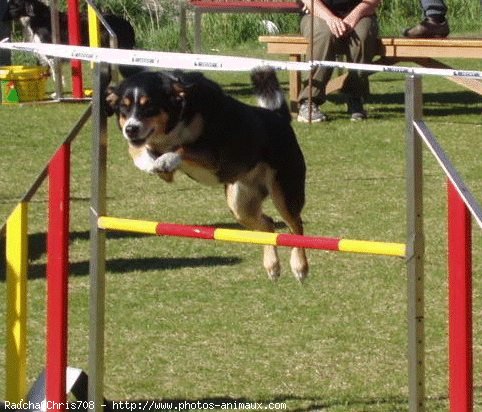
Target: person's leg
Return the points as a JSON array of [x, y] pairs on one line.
[[434, 9], [362, 47], [434, 24], [5, 28], [323, 49]]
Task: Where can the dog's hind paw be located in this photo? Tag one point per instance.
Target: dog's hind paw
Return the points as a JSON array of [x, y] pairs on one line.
[[271, 262], [274, 273], [300, 275], [299, 264], [168, 162]]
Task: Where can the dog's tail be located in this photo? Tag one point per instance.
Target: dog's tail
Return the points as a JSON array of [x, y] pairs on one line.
[[268, 91]]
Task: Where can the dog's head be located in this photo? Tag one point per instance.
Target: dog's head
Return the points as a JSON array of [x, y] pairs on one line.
[[20, 8], [148, 105]]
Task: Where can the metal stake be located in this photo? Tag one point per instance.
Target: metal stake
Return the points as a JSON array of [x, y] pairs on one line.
[[54, 17], [310, 79], [97, 241], [415, 247]]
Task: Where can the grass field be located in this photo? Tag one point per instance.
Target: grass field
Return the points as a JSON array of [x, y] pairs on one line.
[[200, 321]]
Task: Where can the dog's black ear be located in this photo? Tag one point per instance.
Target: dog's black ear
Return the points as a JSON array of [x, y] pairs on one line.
[[176, 84], [111, 101], [182, 85], [179, 90], [30, 9]]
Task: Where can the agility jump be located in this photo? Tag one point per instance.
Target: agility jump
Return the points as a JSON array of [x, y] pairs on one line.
[[253, 237], [413, 251]]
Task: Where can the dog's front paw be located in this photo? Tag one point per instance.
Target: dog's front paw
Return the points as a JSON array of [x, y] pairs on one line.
[[168, 162]]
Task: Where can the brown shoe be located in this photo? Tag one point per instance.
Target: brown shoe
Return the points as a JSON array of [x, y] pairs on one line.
[[428, 28]]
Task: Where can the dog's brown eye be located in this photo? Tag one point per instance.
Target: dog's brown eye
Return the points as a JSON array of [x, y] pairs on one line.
[[126, 102], [144, 100]]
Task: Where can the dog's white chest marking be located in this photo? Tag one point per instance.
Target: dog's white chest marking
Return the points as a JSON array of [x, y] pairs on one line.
[[200, 174], [145, 161], [27, 30]]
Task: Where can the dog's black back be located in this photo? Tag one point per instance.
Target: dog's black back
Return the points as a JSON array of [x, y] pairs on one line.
[[244, 134]]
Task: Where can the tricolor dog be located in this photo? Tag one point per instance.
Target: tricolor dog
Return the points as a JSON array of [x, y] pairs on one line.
[[185, 122], [35, 18]]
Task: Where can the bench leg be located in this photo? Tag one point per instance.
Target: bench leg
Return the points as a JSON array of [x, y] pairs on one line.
[[295, 84], [197, 30], [183, 27]]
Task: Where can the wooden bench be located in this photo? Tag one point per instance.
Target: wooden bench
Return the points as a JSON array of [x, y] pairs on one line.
[[424, 52], [237, 6]]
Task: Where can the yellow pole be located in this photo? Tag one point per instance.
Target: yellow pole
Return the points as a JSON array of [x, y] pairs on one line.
[[246, 236], [16, 257], [373, 248], [94, 28], [94, 35], [127, 225]]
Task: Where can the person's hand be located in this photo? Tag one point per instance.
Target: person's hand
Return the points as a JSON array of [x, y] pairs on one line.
[[338, 27], [350, 21]]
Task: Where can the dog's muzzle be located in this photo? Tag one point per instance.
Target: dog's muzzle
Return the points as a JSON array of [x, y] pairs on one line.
[[132, 131], [135, 132]]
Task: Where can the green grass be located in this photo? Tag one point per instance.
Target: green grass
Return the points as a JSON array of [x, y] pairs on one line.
[[191, 320]]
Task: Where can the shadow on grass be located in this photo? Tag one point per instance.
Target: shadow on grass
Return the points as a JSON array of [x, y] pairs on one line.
[[241, 90], [38, 242], [37, 245], [278, 225], [435, 104]]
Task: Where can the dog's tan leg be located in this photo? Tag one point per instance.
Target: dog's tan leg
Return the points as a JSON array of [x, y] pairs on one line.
[[298, 261], [245, 203]]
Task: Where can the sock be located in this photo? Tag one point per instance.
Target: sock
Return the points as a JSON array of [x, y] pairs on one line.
[[436, 18]]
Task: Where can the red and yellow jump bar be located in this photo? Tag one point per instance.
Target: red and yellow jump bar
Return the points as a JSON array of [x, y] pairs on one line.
[[247, 236]]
